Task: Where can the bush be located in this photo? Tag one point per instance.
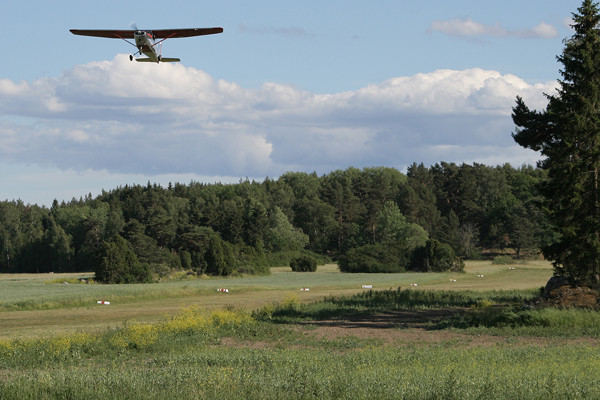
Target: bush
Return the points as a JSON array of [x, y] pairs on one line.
[[252, 260], [503, 260], [119, 264], [436, 257], [303, 263], [283, 258], [373, 258]]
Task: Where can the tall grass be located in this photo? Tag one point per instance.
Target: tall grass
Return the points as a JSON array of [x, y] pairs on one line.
[[187, 357], [205, 328], [546, 322], [376, 373]]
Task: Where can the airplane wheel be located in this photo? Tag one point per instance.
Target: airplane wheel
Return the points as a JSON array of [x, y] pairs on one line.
[[130, 57]]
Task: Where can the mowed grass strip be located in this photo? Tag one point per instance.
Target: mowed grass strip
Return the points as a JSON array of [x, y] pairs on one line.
[[30, 306]]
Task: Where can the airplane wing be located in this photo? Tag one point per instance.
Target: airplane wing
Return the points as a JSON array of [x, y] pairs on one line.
[[106, 33], [185, 32], [157, 33]]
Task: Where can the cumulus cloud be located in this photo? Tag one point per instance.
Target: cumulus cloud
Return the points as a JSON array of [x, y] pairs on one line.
[[128, 118], [466, 27]]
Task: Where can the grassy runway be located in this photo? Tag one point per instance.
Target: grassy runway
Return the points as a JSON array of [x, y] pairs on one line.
[[30, 306]]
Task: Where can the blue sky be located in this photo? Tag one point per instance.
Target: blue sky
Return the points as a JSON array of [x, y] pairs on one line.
[[302, 86]]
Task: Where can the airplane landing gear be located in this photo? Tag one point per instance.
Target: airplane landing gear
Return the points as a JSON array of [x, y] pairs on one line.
[[130, 57]]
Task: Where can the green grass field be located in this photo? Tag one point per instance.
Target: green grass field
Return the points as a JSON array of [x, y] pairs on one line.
[[266, 339], [31, 306]]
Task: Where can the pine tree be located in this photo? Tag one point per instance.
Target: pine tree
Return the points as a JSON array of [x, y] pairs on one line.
[[567, 134]]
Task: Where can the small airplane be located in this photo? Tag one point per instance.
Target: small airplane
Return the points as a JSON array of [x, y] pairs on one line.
[[145, 40]]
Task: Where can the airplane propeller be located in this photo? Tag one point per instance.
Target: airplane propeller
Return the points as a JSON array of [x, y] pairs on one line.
[[133, 26]]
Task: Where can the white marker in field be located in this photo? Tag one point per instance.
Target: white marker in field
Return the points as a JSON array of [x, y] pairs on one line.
[[414, 284], [367, 286], [305, 289], [223, 290], [106, 303]]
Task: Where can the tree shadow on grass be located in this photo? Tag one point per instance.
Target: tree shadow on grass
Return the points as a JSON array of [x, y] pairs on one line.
[[408, 319]]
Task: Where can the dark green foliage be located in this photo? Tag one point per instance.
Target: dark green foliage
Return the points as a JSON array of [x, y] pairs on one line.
[[283, 258], [373, 258], [208, 253], [252, 260], [567, 134], [373, 217], [303, 263], [119, 264], [395, 239], [435, 257], [282, 235]]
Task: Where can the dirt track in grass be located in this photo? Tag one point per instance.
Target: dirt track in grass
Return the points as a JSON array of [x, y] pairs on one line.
[[408, 328], [417, 328]]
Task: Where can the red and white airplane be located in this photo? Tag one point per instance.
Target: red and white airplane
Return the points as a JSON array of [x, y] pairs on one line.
[[145, 40]]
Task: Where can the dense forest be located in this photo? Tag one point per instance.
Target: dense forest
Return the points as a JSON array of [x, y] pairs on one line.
[[221, 229]]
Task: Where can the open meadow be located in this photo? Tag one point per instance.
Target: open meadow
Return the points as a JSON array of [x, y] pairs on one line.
[[36, 304], [471, 335]]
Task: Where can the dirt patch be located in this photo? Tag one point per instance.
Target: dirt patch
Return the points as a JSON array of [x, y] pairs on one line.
[[405, 328], [413, 328], [393, 319], [398, 328], [392, 328]]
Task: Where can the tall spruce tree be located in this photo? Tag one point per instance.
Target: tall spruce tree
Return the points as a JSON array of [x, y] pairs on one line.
[[567, 134]]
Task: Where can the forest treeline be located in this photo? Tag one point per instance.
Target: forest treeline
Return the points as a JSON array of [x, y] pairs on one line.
[[221, 229]]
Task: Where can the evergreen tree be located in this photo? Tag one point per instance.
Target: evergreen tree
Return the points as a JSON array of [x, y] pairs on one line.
[[437, 257], [567, 134], [119, 264]]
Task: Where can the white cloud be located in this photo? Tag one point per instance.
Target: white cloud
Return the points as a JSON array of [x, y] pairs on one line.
[[541, 30], [128, 118], [466, 27]]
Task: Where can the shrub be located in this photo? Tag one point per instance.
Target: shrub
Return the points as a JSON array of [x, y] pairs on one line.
[[303, 263], [436, 256], [373, 258], [119, 264], [186, 259], [503, 260], [252, 259]]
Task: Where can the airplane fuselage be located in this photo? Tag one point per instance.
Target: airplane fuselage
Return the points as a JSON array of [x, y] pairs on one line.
[[145, 44]]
